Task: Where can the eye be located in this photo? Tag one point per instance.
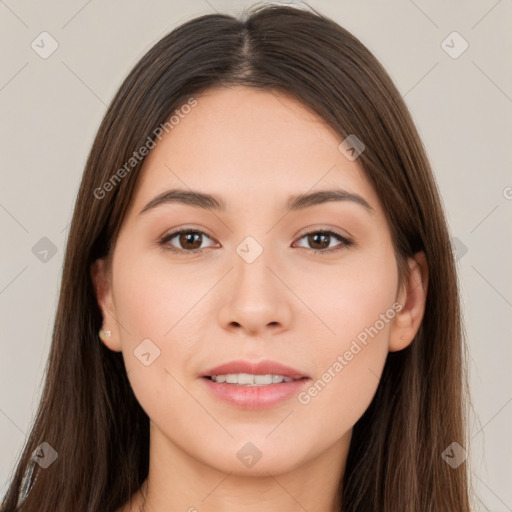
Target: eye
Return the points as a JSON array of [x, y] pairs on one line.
[[320, 241], [189, 241]]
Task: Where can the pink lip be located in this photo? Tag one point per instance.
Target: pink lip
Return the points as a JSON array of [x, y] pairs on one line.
[[255, 397]]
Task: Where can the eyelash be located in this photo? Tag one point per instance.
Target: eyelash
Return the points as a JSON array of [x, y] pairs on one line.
[[345, 242]]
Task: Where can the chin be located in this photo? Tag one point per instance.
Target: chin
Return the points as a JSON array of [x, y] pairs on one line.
[[251, 459]]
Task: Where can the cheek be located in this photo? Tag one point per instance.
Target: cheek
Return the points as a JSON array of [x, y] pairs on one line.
[[156, 300], [358, 309], [161, 304], [348, 369], [160, 312], [353, 295]]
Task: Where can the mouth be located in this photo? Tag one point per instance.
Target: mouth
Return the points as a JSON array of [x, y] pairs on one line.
[[249, 379], [251, 373], [251, 385]]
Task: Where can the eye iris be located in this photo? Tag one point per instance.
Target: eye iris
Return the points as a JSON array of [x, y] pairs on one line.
[[313, 239], [189, 236]]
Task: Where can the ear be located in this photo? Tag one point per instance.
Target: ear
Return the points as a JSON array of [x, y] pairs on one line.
[[412, 297], [102, 281]]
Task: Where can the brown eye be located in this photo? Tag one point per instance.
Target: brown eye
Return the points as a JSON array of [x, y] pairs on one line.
[[319, 241], [190, 238], [187, 240]]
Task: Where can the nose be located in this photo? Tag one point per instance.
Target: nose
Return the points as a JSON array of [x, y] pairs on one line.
[[255, 298]]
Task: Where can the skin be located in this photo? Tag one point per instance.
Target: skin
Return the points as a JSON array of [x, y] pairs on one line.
[[253, 149]]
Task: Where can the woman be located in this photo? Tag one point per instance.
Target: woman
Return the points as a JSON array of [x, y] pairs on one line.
[[259, 304]]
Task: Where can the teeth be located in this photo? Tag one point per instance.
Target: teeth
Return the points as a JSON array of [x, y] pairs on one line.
[[247, 379], [262, 380]]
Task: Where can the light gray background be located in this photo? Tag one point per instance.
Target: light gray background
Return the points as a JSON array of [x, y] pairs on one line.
[[51, 108]]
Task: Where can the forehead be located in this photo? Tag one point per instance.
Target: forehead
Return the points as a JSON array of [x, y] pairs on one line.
[[240, 142]]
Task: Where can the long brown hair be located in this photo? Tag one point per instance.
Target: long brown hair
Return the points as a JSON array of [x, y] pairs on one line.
[[88, 412]]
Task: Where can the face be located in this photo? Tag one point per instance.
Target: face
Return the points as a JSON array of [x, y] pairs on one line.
[[258, 281]]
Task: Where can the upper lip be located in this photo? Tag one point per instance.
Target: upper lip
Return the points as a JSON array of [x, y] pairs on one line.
[[255, 368]]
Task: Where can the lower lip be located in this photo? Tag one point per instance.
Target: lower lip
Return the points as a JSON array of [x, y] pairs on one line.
[[255, 397]]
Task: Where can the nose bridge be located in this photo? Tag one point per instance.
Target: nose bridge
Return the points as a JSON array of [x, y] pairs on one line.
[[252, 262]]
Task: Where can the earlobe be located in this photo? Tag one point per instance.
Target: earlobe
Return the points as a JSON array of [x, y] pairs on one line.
[[412, 297], [102, 286]]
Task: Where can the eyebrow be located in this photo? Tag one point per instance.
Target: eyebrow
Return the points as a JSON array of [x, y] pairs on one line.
[[294, 202]]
